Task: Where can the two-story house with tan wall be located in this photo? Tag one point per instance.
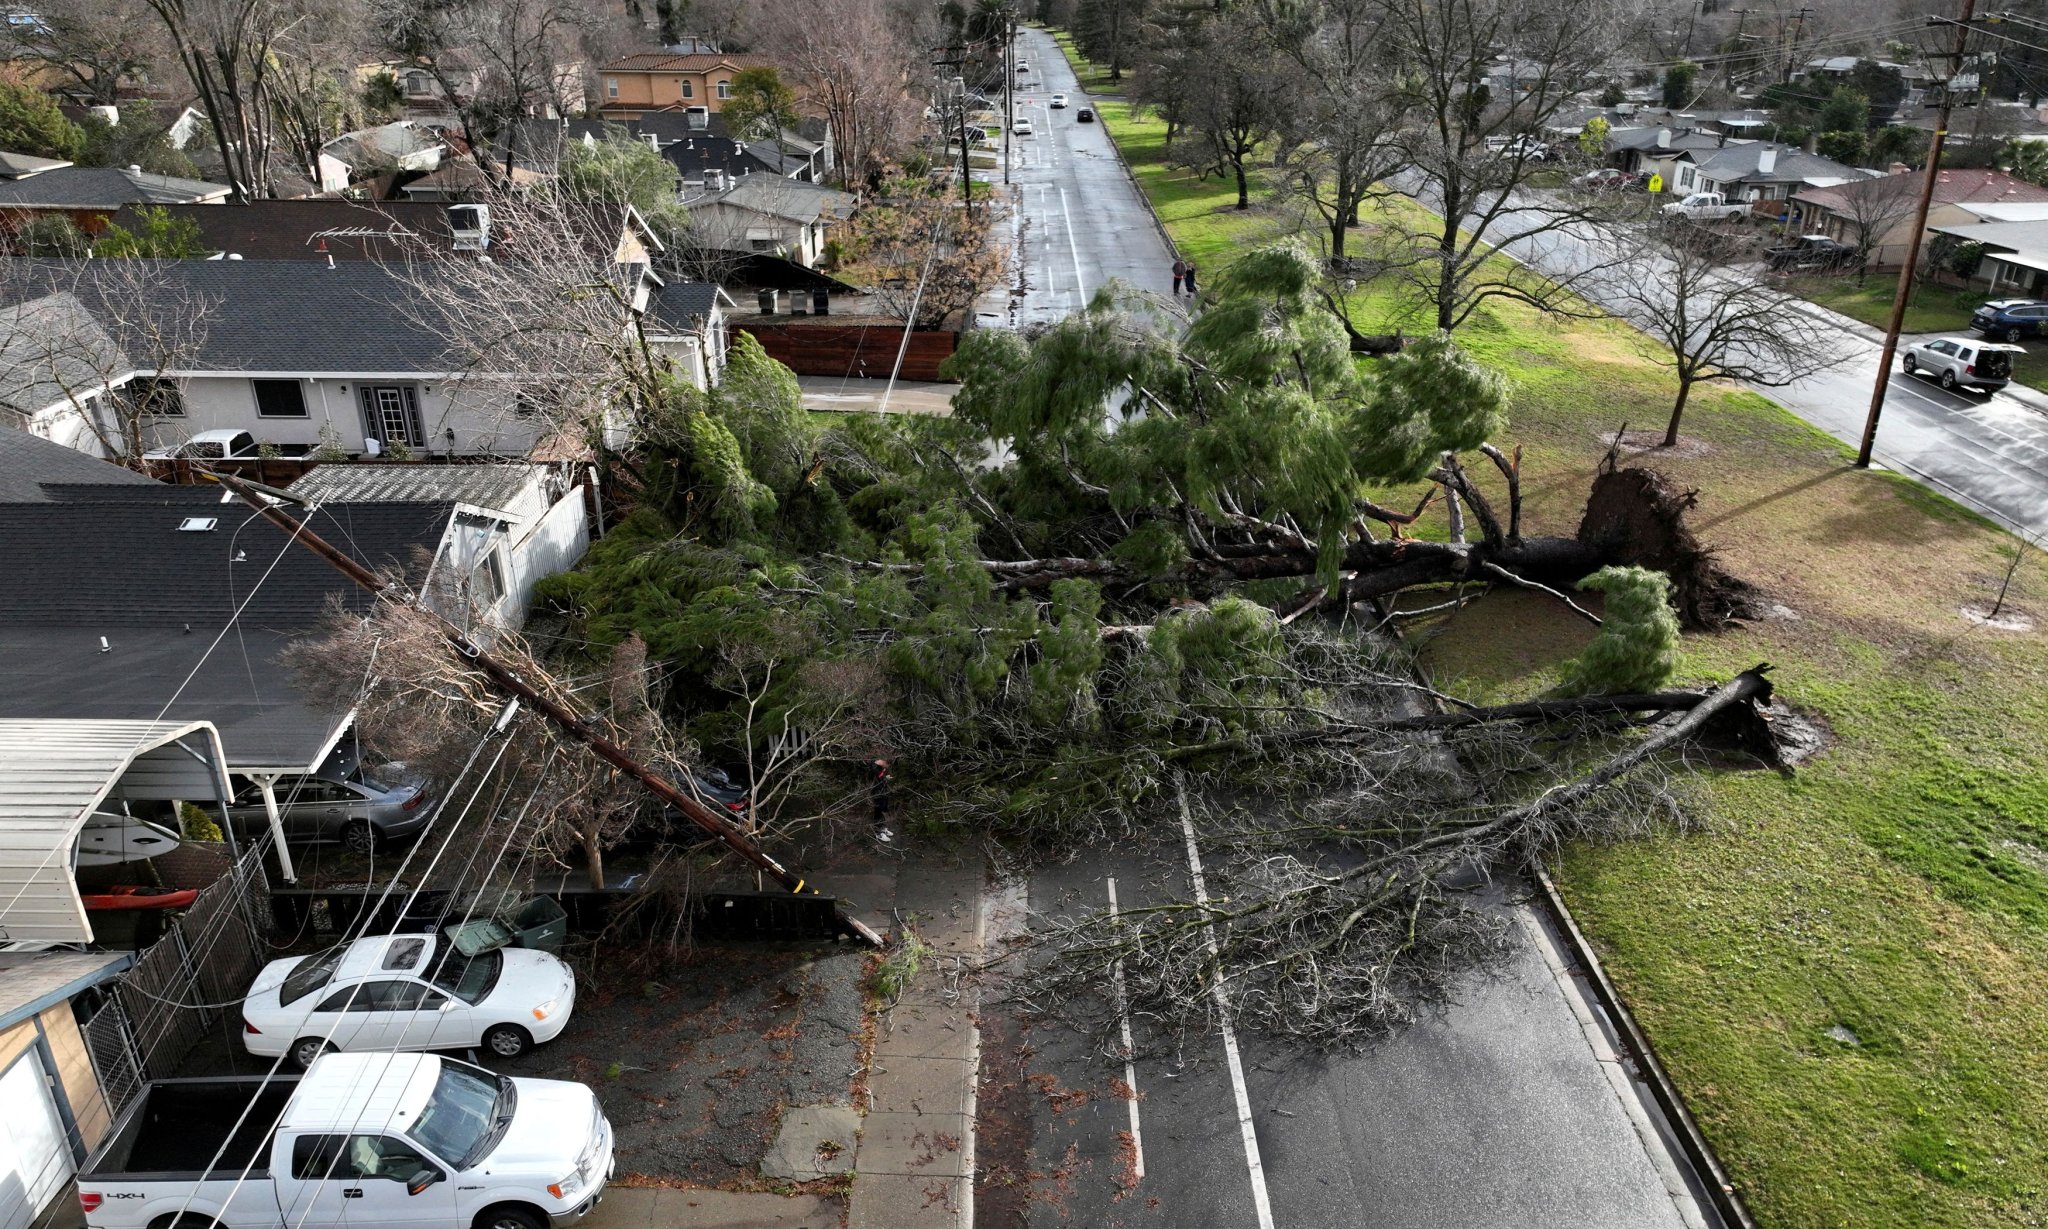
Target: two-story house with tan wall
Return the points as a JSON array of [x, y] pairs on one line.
[[652, 81]]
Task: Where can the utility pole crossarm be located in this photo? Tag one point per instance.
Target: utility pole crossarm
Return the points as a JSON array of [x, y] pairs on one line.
[[571, 723]]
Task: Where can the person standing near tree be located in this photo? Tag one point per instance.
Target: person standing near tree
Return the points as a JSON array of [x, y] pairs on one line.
[[1180, 269], [1190, 275]]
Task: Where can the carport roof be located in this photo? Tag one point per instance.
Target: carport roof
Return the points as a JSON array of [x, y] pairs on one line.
[[2016, 243], [52, 775]]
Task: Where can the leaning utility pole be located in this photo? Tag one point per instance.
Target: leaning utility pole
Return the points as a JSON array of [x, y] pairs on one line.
[[1009, 87], [1919, 228], [1728, 74], [960, 101], [565, 719], [1792, 51]]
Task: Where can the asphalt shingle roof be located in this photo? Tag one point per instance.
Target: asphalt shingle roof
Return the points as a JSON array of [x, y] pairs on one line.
[[28, 461], [303, 230], [103, 187], [108, 559], [682, 306], [1740, 162], [287, 316]]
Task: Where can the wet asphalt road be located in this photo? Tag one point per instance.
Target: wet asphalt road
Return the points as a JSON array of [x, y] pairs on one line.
[[1507, 1110]]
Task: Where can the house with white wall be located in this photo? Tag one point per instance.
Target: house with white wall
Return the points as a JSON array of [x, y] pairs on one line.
[[308, 357], [510, 526], [768, 214]]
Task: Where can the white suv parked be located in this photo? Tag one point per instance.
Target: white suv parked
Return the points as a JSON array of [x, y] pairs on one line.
[[1962, 361]]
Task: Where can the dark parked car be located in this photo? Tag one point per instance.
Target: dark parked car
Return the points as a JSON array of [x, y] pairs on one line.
[[2005, 319], [1810, 254], [357, 810]]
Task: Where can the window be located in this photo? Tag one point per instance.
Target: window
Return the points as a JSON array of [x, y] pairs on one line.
[[279, 398], [418, 83], [316, 1158], [460, 1118], [311, 974], [364, 996], [380, 1156], [611, 87], [689, 89], [487, 581], [725, 89], [467, 978], [403, 953], [156, 396]]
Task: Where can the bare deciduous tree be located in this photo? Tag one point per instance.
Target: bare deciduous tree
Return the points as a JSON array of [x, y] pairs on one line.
[[928, 257], [1340, 124], [100, 339], [1875, 208], [851, 60], [495, 61], [1709, 323], [96, 44], [229, 50], [1481, 79]]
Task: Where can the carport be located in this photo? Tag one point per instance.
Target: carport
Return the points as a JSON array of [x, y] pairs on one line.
[[56, 773]]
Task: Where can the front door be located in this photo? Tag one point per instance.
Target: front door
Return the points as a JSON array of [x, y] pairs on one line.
[[391, 413]]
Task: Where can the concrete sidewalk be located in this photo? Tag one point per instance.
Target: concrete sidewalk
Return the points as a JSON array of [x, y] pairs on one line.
[[915, 1165]]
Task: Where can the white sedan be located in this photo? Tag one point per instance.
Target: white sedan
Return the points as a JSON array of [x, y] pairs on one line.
[[1059, 102], [406, 992], [1021, 127]]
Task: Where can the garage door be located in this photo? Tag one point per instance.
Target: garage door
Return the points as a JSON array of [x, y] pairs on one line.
[[35, 1162]]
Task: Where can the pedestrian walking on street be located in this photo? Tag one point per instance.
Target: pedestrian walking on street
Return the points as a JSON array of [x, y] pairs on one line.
[[1189, 273], [1179, 271]]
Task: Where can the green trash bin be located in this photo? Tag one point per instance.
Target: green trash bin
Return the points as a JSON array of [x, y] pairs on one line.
[[540, 923]]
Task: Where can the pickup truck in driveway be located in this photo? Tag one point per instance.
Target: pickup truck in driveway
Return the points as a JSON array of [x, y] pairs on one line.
[[412, 1140], [1707, 207]]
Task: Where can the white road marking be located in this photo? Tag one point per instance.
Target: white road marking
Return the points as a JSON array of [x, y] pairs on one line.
[[1123, 1018], [1073, 251], [1262, 1203]]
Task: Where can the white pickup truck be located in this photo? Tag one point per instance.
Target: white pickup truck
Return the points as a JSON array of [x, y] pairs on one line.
[[413, 1140], [1707, 206]]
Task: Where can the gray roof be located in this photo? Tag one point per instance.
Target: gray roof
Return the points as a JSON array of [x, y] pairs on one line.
[[110, 560], [484, 485], [14, 166], [287, 316], [52, 348], [782, 198], [1675, 138], [30, 978], [682, 306], [1738, 164], [27, 462], [103, 187]]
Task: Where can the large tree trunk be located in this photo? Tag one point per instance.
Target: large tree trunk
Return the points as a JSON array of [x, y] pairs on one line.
[[1677, 411], [1244, 195]]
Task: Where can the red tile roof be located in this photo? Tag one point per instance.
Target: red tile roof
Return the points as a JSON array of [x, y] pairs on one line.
[[1951, 187], [664, 62]]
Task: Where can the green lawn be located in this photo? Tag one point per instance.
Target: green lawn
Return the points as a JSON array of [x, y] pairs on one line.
[[1846, 969], [1932, 309], [1094, 77]]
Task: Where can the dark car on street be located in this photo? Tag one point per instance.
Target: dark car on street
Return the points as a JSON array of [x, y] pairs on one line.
[[1086, 115], [1810, 254], [2005, 319]]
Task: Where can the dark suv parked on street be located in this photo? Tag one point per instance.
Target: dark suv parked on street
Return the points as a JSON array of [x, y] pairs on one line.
[[2005, 319]]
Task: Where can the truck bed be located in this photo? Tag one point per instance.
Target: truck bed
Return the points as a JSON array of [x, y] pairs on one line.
[[177, 1126]]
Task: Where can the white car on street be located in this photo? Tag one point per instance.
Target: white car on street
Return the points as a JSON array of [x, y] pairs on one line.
[[1982, 365], [406, 992], [1059, 102], [1022, 127]]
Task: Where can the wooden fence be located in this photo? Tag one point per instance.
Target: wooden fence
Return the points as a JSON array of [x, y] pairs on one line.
[[852, 350]]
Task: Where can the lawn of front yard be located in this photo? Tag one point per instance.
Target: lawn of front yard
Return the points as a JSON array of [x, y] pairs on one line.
[[1845, 968], [1932, 309]]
